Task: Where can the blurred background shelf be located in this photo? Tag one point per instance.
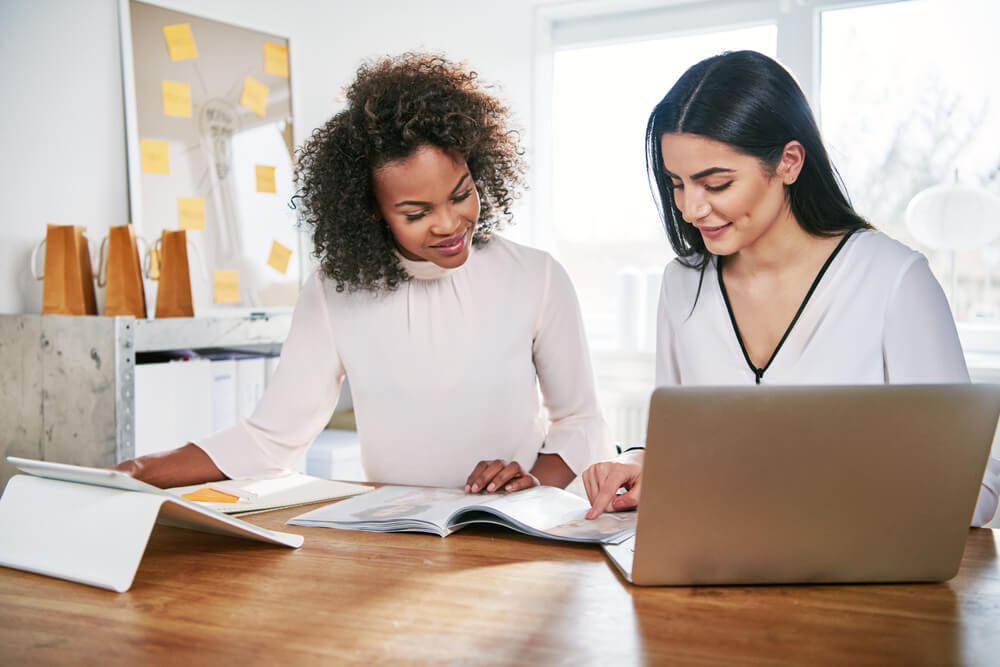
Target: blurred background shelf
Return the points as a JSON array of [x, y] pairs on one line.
[[69, 391]]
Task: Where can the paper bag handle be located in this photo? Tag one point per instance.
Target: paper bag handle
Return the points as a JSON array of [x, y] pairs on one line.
[[147, 258], [102, 278], [34, 261]]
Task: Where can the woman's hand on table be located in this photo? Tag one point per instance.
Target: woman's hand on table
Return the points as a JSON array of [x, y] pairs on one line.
[[498, 476]]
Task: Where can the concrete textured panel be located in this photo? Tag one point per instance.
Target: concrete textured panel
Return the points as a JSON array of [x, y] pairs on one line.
[[78, 396], [20, 390], [188, 332]]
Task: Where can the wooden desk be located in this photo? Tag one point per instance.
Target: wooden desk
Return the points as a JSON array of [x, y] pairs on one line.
[[480, 596]]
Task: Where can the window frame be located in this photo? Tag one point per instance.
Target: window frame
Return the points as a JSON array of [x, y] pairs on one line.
[[597, 22]]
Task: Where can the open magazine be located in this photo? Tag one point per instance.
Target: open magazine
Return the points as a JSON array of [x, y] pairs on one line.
[[542, 511]]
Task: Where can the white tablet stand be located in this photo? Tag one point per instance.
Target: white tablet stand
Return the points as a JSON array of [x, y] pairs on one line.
[[97, 535]]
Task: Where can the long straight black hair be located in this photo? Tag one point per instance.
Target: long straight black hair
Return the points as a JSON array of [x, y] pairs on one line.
[[751, 103]]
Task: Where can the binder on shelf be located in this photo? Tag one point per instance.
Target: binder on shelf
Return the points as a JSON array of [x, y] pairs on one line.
[[224, 403], [251, 378], [173, 404]]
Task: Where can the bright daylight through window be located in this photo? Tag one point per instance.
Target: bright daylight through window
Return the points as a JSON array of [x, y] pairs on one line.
[[909, 105], [917, 111], [607, 232]]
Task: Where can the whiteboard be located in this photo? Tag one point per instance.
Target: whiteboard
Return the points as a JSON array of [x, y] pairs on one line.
[[210, 149]]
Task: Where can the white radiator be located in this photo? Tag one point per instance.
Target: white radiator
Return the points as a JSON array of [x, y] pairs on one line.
[[625, 381], [627, 416]]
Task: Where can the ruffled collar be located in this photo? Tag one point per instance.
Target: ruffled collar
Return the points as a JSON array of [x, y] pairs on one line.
[[427, 270]]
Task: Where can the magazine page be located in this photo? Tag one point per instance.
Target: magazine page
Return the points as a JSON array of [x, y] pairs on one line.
[[542, 511], [547, 511], [392, 508]]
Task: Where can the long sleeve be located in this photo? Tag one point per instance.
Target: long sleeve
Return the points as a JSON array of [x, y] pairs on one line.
[[986, 507], [667, 373], [298, 400], [921, 345], [562, 361]]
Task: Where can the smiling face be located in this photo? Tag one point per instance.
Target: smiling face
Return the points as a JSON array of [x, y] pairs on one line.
[[430, 204], [730, 197]]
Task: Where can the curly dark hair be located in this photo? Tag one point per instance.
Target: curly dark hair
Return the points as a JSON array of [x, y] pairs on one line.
[[395, 106]]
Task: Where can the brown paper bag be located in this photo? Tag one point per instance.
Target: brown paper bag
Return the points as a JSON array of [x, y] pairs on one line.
[[173, 296], [121, 273], [68, 287]]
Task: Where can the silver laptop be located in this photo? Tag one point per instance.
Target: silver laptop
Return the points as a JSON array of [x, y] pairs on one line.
[[768, 485]]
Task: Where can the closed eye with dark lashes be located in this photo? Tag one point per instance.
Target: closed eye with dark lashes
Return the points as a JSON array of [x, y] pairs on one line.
[[413, 217], [710, 188]]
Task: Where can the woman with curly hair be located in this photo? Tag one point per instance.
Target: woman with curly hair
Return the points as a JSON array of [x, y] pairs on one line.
[[446, 330]]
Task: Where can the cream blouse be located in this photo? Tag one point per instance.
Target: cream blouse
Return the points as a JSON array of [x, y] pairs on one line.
[[446, 370]]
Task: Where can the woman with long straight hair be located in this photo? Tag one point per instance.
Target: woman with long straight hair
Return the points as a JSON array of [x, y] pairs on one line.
[[777, 279]]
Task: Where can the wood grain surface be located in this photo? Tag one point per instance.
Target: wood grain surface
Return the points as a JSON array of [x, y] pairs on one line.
[[481, 596]]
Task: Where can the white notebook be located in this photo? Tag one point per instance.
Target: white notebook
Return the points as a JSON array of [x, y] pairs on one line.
[[262, 495]]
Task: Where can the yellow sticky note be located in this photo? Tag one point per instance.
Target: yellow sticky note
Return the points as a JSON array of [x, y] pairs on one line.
[[209, 495], [278, 259], [254, 96], [176, 98], [227, 286], [265, 178], [155, 156], [190, 213], [276, 59], [180, 41]]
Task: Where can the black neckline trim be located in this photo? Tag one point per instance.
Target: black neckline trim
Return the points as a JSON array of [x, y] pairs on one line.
[[759, 372]]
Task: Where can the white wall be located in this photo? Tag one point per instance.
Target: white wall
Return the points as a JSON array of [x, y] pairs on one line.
[[62, 127], [60, 131]]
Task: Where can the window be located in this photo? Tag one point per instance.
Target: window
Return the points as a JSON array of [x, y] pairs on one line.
[[899, 114], [606, 230], [925, 107]]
